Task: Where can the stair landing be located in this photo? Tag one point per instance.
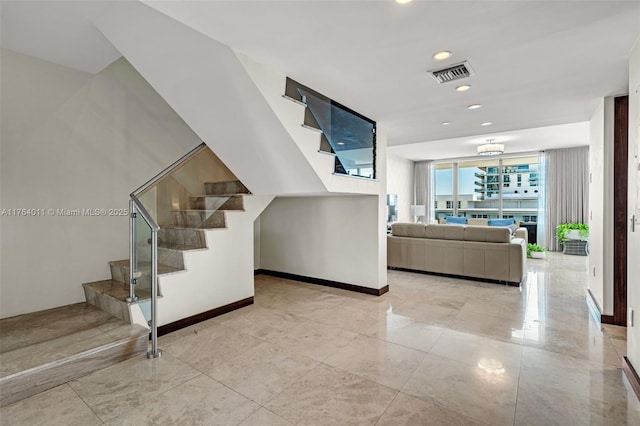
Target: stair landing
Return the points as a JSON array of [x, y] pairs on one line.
[[45, 349]]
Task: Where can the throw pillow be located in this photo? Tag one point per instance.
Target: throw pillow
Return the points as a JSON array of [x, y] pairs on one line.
[[501, 222], [455, 220]]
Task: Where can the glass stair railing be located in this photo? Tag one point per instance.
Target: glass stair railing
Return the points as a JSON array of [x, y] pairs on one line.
[[348, 135], [169, 217]]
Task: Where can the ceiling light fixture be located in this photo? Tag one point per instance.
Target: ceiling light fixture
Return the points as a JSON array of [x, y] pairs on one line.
[[446, 123], [463, 88], [490, 148], [474, 106], [442, 55], [340, 143], [403, 1], [486, 123]]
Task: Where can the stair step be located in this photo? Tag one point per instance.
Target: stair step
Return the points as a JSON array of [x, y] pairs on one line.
[[218, 202], [191, 237], [178, 247], [109, 295], [225, 188], [199, 219], [120, 270], [45, 349]]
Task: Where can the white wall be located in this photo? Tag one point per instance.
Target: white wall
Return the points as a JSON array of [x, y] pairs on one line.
[[256, 243], [400, 182], [333, 238], [71, 140], [633, 242], [221, 275], [338, 238], [601, 205]]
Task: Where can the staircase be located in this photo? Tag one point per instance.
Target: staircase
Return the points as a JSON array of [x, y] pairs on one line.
[[185, 234]]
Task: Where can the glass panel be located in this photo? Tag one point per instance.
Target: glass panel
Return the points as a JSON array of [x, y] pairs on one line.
[[520, 191], [345, 133], [142, 260], [443, 190], [189, 199], [478, 189]]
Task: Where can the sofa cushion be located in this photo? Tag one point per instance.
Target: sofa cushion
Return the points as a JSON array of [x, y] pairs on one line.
[[487, 234], [414, 230], [455, 220], [453, 232], [435, 232]]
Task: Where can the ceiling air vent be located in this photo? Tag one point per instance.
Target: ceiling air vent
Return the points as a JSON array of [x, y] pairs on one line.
[[452, 72]]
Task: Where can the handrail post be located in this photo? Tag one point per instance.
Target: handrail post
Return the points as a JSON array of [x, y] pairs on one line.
[[154, 352], [132, 232]]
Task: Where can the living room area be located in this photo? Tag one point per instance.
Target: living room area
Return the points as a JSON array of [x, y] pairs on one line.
[[288, 302]]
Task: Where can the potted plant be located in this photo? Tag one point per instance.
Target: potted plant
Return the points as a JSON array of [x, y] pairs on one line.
[[572, 231], [535, 251]]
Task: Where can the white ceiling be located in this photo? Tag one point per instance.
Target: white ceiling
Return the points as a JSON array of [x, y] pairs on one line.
[[524, 140], [537, 64]]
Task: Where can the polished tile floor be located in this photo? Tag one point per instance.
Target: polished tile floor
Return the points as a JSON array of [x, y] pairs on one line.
[[434, 350]]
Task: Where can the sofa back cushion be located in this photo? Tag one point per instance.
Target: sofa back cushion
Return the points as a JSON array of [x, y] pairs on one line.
[[476, 221], [444, 232], [487, 234], [413, 230]]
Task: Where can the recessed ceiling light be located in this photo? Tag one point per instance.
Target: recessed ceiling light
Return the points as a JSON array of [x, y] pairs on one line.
[[474, 106], [486, 123], [403, 1], [446, 123], [442, 55], [463, 88], [340, 143]]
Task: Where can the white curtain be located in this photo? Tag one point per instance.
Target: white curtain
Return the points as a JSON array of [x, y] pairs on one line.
[[564, 175], [423, 188]]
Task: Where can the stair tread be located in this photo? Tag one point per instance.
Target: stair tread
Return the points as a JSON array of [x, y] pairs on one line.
[[74, 335], [116, 290], [45, 349], [235, 194], [162, 268], [178, 247], [197, 210]]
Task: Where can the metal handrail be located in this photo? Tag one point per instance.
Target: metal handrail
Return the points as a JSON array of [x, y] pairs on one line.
[[135, 207], [145, 213], [170, 168]]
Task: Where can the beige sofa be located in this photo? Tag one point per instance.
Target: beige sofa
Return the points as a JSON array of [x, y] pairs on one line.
[[485, 252]]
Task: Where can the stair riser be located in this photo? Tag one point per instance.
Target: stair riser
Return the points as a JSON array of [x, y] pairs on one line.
[[232, 187], [165, 256], [187, 237], [41, 379], [234, 202], [117, 308], [195, 219], [119, 273]]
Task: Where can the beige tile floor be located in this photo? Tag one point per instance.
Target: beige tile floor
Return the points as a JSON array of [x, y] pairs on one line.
[[434, 350]]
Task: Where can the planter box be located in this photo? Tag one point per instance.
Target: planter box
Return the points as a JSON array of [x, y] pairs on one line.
[[538, 255], [574, 234], [576, 247]]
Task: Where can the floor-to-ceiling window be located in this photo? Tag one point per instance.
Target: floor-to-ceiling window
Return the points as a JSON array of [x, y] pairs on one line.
[[520, 188], [478, 189], [443, 182], [488, 188]]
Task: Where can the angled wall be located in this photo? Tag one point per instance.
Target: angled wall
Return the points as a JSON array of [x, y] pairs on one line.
[[206, 85]]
